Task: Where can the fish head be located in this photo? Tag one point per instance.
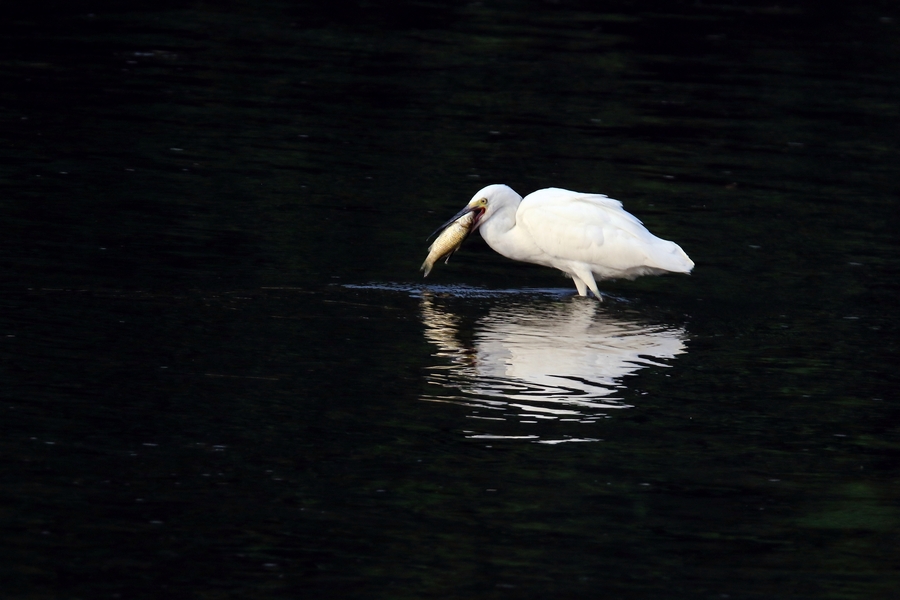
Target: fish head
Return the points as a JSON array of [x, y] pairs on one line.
[[476, 206]]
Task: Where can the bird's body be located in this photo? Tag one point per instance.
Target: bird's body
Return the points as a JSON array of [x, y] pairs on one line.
[[587, 236]]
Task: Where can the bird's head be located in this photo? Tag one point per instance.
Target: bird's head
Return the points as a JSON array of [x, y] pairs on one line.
[[488, 201], [484, 204], [479, 208]]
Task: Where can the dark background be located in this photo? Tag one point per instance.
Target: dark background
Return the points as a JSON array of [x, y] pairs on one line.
[[215, 338]]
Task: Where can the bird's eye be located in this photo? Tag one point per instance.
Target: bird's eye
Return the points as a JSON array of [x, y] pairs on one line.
[[482, 202]]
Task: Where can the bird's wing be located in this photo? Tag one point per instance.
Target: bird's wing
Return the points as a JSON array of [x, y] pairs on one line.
[[587, 228]]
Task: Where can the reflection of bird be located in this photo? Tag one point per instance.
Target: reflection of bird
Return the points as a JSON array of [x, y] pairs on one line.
[[442, 329], [563, 359], [576, 346], [582, 235]]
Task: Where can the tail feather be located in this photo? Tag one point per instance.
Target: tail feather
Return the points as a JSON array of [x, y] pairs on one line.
[[670, 257]]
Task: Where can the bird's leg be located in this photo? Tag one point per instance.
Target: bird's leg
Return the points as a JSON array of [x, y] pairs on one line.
[[584, 278], [579, 285]]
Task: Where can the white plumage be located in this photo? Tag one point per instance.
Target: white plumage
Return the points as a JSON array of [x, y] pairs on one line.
[[587, 236]]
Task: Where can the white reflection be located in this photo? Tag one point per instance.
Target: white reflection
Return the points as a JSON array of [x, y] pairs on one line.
[[538, 362]]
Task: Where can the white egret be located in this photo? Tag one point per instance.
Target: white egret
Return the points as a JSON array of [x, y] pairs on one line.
[[586, 236]]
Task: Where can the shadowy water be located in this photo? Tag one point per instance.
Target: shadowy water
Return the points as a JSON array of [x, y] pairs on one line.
[[224, 377]]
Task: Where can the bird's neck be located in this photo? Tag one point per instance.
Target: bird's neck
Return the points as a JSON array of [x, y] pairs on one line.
[[500, 222], [501, 234]]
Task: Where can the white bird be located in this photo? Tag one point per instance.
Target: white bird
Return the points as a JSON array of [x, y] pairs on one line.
[[586, 236]]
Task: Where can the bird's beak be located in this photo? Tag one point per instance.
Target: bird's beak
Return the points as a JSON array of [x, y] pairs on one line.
[[479, 212]]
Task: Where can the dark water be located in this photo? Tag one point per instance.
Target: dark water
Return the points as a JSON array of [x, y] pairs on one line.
[[224, 378]]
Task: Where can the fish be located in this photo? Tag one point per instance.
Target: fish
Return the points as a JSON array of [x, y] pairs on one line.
[[449, 241]]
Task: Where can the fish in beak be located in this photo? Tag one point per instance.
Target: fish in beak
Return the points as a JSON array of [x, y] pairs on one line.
[[452, 234]]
